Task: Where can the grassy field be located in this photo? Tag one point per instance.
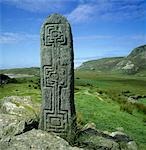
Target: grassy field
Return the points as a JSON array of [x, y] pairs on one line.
[[99, 98], [29, 71], [23, 87]]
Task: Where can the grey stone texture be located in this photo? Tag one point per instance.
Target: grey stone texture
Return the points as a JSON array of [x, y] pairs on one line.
[[18, 114], [35, 140], [19, 131], [57, 76]]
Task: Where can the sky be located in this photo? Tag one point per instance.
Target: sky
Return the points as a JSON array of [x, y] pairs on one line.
[[101, 28]]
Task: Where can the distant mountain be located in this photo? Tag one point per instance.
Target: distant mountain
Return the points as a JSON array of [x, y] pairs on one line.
[[28, 71], [134, 63]]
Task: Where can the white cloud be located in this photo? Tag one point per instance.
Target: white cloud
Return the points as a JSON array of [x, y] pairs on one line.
[[38, 5], [78, 61], [85, 10], [108, 10], [93, 37], [7, 38], [139, 37], [10, 37], [81, 13]]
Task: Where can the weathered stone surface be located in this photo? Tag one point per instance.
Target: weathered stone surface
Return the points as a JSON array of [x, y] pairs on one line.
[[18, 131], [35, 140], [57, 75], [91, 138], [19, 106], [7, 125], [18, 114]]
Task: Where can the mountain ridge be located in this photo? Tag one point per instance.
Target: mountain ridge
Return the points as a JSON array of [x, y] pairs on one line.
[[134, 63]]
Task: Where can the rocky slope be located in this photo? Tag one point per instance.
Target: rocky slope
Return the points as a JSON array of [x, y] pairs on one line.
[[19, 130], [134, 63]]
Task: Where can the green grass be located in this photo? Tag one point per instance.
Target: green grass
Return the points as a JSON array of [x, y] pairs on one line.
[[29, 71], [117, 83], [104, 109], [106, 114], [22, 89], [97, 99], [143, 101]]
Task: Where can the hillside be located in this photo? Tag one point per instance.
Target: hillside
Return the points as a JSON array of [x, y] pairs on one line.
[[101, 99], [24, 71], [134, 63]]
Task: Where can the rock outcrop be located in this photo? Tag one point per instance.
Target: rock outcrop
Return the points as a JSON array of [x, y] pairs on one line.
[[36, 140], [93, 139], [19, 130], [17, 115]]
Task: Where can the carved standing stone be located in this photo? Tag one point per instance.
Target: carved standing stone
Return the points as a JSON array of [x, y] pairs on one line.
[[57, 75]]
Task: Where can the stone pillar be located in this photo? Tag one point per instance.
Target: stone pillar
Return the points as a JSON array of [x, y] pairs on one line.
[[57, 76]]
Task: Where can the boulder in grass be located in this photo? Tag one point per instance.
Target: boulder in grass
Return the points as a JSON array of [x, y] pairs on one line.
[[18, 114], [36, 140], [91, 138]]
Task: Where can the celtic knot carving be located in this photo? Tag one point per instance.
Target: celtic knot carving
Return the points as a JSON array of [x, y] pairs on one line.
[[57, 76], [54, 35], [50, 77]]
